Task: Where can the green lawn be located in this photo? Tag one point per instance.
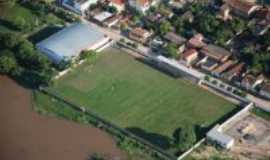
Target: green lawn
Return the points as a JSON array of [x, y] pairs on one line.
[[140, 98]]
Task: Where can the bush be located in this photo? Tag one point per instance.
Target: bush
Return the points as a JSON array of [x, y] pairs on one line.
[[207, 78], [214, 82]]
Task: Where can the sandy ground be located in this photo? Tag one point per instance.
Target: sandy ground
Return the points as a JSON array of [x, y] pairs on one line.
[[26, 135]]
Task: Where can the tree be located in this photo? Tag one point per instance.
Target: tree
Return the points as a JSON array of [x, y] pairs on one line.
[[185, 137], [165, 27], [171, 50], [238, 25], [7, 3], [9, 40], [111, 9], [8, 64], [96, 157]]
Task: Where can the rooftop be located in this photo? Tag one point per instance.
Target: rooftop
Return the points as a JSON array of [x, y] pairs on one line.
[[210, 63], [71, 40], [189, 52], [219, 136], [249, 79], [224, 67], [241, 5], [118, 2], [102, 16], [139, 31], [266, 87], [175, 38], [216, 52]]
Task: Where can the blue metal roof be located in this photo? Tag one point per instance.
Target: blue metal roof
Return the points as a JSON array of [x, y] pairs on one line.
[[72, 40]]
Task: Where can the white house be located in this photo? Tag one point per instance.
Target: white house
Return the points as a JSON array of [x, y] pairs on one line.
[[78, 6], [118, 4], [141, 5]]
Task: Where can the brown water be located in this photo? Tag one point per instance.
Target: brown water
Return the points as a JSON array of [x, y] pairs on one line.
[[26, 135]]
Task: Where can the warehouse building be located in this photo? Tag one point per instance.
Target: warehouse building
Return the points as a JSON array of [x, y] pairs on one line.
[[71, 41]]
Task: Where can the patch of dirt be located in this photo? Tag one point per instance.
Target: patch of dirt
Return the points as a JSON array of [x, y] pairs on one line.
[[26, 135]]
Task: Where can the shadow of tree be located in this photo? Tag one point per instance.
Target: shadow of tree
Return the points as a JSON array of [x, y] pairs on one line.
[[8, 24], [44, 33], [161, 141]]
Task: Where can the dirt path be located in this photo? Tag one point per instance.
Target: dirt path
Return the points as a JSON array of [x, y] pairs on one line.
[[26, 135]]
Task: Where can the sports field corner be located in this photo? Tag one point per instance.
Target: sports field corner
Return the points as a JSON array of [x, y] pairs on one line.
[[140, 98]]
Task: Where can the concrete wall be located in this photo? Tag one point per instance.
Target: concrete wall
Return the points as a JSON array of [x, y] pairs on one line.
[[238, 116]]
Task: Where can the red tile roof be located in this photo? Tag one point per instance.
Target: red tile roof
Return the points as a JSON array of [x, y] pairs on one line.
[[189, 52], [118, 2], [266, 87], [241, 5]]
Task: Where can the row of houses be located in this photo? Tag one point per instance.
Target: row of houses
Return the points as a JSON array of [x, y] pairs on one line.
[[194, 52], [214, 60], [81, 6], [249, 10]]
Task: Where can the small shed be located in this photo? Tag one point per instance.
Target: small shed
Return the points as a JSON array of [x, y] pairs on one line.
[[215, 135]]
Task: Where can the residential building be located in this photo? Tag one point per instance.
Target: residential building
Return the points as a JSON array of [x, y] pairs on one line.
[[189, 56], [215, 52], [263, 21], [174, 38], [102, 16], [262, 27], [187, 16], [78, 6], [179, 3], [118, 4], [265, 90], [141, 5], [68, 43], [242, 7], [250, 81], [222, 68], [209, 65], [112, 21], [216, 136], [224, 12], [139, 34], [235, 71], [196, 41]]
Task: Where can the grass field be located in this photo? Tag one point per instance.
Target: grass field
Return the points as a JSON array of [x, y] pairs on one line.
[[140, 98]]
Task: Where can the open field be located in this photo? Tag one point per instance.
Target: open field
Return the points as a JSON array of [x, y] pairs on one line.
[[139, 98]]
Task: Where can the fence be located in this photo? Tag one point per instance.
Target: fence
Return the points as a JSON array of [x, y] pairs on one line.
[[191, 149], [224, 91], [117, 131], [237, 116]]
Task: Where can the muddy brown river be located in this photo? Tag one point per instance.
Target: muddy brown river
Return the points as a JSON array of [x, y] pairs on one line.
[[26, 135]]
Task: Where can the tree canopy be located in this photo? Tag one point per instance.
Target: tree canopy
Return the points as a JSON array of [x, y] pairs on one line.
[[171, 50], [185, 137], [18, 58]]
